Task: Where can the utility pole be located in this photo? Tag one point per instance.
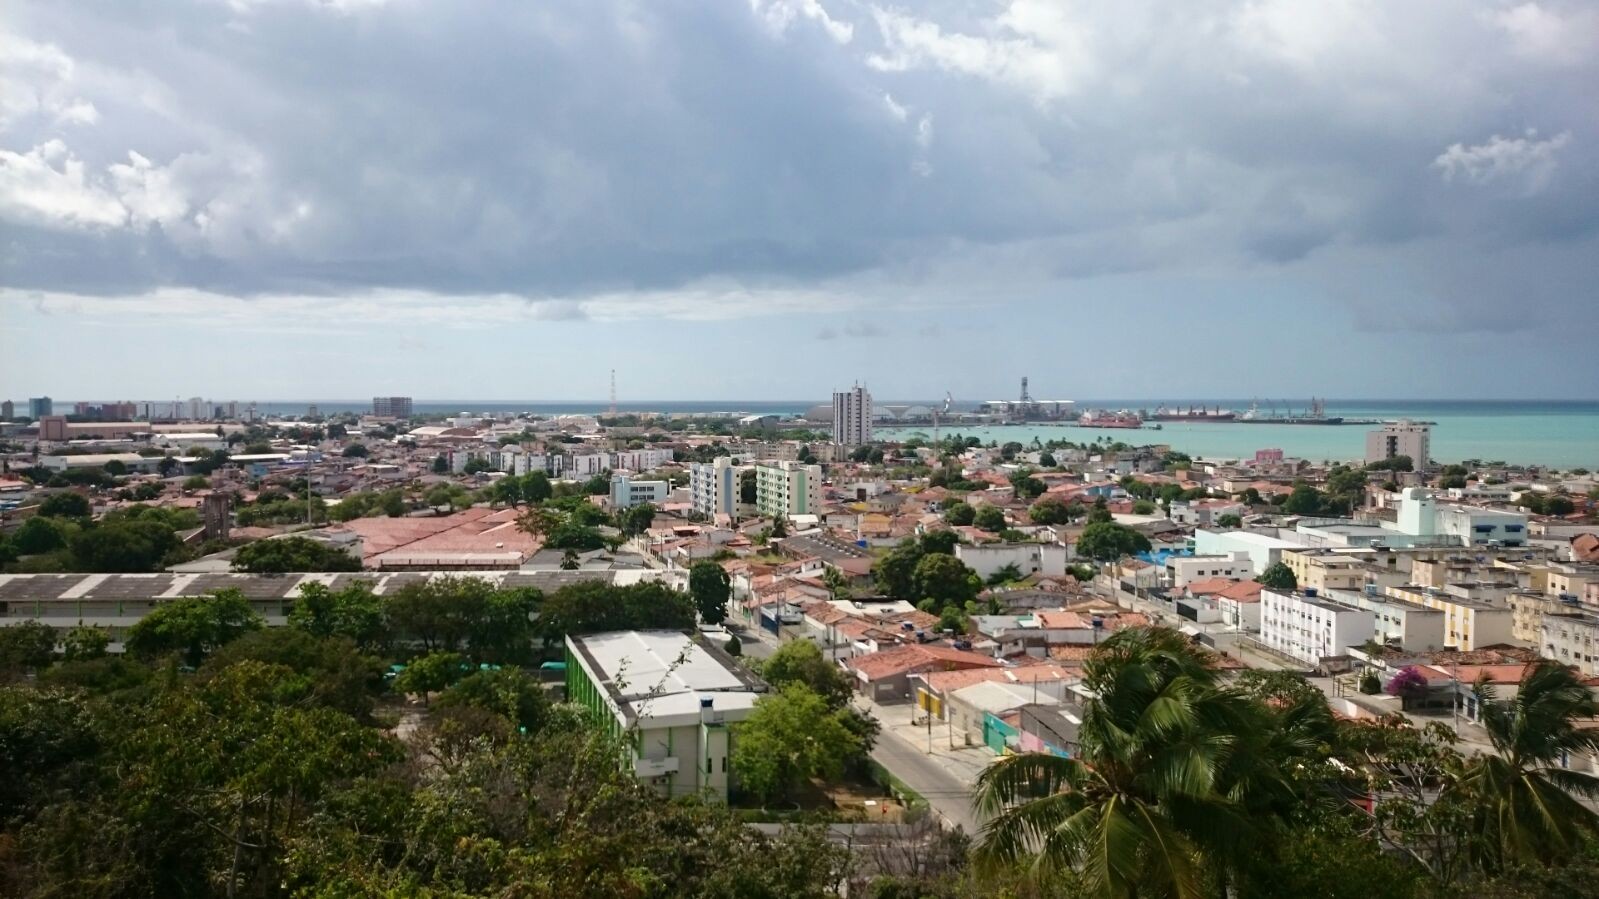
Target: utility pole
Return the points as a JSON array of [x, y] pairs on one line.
[[1454, 700]]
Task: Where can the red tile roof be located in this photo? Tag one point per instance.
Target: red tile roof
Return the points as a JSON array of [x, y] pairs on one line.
[[908, 659], [1585, 547]]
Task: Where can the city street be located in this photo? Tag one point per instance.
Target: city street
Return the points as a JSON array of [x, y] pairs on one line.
[[945, 792]]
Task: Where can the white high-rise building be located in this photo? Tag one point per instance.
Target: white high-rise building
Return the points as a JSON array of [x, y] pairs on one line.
[[714, 487], [852, 416], [1400, 438]]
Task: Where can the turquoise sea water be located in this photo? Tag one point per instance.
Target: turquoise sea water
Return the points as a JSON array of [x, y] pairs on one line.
[[1560, 434]]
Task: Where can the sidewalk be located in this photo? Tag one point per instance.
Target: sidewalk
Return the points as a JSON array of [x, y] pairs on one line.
[[964, 763]]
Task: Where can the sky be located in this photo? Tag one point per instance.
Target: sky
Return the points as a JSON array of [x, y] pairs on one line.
[[771, 199]]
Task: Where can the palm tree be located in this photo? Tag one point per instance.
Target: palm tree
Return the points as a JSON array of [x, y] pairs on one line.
[[1160, 796], [1522, 797]]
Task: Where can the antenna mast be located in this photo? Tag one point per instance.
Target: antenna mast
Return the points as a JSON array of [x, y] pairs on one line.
[[613, 392]]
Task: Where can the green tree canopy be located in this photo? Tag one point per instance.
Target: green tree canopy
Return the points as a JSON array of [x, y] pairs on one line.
[[790, 736], [1106, 541], [590, 607], [1278, 576], [193, 626], [26, 646], [39, 535], [945, 580], [353, 612], [64, 505], [1053, 510], [84, 643], [278, 555], [511, 693], [711, 588], [802, 662], [959, 514], [990, 518], [124, 546], [431, 673]]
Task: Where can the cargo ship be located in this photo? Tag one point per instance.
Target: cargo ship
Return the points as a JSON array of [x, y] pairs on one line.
[[1316, 415], [1100, 418], [1193, 414]]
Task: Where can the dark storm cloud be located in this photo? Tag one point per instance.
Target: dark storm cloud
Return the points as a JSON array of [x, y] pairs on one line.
[[576, 148]]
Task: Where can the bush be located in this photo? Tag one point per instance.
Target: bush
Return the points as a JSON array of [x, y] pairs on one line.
[[65, 505]]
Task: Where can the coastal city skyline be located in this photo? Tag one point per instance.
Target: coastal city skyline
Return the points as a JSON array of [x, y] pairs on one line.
[[799, 449]]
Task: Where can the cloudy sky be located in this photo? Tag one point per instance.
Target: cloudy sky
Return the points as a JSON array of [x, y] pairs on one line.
[[765, 199]]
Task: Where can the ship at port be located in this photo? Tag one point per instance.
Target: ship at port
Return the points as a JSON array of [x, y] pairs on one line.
[[1102, 418], [1192, 413], [1315, 415]]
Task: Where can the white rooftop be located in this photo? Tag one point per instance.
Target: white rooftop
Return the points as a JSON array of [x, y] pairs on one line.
[[663, 678], [639, 663]]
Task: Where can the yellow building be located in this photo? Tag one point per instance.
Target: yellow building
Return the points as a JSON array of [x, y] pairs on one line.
[[1468, 623], [1325, 569]]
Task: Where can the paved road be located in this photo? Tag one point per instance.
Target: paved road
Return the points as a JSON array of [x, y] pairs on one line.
[[944, 791]]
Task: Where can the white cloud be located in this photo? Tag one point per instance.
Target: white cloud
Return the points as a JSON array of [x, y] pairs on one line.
[[1304, 34], [900, 113], [150, 193], [778, 15], [49, 186], [707, 301], [38, 81], [1033, 47], [1549, 36], [1525, 161]]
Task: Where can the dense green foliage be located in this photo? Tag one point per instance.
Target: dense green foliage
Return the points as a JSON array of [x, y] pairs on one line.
[[1279, 576], [711, 588], [255, 778], [791, 736], [1184, 785], [284, 554], [1106, 541]]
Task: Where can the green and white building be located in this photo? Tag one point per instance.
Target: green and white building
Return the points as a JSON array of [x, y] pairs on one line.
[[785, 489], [672, 698]]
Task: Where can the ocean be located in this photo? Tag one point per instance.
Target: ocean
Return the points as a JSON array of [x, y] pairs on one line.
[[1562, 434]]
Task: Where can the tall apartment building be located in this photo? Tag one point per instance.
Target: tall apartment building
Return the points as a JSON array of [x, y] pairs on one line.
[[40, 406], [1400, 438], [783, 489], [852, 416], [1310, 628], [391, 406], [714, 486], [7, 410]]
